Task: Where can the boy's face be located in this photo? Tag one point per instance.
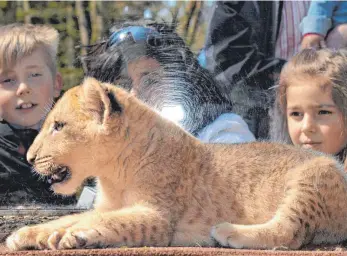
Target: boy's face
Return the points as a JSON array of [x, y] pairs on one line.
[[27, 90]]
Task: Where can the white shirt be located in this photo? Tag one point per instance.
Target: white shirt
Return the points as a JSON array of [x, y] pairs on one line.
[[227, 128]]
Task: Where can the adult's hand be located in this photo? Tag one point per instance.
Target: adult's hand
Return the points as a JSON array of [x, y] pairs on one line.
[[314, 41]]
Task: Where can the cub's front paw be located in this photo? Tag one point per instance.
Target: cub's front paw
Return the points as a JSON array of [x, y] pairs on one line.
[[81, 238], [34, 237], [226, 236]]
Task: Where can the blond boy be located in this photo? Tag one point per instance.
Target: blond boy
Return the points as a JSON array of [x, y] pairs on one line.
[[29, 80]]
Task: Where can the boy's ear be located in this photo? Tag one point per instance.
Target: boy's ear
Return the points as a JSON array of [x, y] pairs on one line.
[[58, 85]]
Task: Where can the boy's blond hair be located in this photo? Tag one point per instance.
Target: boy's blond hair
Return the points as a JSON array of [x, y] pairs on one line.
[[327, 63], [21, 40]]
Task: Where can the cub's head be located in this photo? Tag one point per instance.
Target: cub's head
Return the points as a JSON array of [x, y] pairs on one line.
[[74, 142]]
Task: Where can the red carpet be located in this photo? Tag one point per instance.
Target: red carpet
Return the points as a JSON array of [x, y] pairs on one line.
[[180, 251]]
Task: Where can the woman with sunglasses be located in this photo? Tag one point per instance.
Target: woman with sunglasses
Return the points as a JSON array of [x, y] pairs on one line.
[[154, 63]]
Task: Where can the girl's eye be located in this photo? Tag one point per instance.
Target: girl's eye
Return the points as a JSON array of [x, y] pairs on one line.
[[324, 112], [295, 113], [58, 126]]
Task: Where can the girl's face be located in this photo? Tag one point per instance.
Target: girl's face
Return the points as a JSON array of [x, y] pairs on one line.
[[314, 121]]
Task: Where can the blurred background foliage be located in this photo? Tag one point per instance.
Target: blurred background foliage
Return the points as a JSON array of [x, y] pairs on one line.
[[87, 22]]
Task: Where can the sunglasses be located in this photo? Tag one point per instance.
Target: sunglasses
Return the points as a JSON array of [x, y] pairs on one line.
[[135, 33]]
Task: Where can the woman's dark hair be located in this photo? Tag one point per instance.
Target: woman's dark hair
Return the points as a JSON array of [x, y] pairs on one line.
[[179, 81]]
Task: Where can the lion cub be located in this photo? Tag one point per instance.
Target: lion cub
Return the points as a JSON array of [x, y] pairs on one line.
[[159, 186]]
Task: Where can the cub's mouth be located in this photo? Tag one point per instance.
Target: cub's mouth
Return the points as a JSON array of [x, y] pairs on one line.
[[60, 174]]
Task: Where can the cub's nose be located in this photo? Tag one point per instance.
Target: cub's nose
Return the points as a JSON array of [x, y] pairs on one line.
[[31, 158]]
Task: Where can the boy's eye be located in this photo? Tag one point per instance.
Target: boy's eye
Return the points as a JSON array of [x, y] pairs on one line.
[[324, 112], [35, 74], [58, 126], [7, 80]]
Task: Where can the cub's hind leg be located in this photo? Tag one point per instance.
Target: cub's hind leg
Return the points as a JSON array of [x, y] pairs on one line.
[[313, 209]]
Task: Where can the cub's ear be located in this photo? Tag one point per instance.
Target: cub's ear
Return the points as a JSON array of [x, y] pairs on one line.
[[99, 100]]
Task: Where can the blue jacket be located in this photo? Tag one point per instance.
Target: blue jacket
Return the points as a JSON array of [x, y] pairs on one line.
[[324, 15]]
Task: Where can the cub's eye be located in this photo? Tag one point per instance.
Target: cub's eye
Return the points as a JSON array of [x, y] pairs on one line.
[[58, 125]]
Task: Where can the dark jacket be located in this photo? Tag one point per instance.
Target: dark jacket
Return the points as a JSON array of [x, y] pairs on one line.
[[18, 183], [241, 40], [239, 51]]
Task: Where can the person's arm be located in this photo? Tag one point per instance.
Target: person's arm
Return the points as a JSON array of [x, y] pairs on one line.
[[318, 21], [319, 18]]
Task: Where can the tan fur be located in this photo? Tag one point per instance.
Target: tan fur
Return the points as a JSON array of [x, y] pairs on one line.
[[159, 186]]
